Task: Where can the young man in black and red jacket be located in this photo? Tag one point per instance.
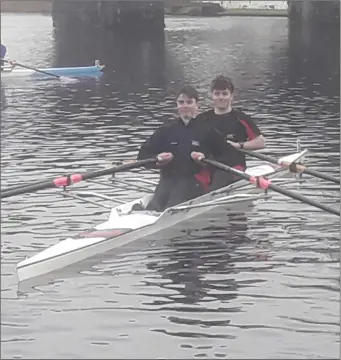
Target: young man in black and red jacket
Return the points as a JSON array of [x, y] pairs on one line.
[[238, 129]]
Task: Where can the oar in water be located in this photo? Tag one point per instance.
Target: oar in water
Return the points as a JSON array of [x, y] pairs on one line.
[[265, 184], [293, 167], [65, 78], [72, 179]]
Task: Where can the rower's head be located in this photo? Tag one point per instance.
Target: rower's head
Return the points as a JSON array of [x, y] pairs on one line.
[[222, 91], [187, 103]]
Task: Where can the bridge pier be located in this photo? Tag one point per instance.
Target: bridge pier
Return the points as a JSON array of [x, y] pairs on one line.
[[314, 23], [129, 17], [314, 12], [314, 43]]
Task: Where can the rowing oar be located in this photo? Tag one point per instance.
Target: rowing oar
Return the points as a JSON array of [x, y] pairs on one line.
[[68, 180], [265, 184], [293, 167], [40, 71], [31, 183]]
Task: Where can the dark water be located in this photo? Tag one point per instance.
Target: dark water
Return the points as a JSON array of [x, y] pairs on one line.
[[263, 285]]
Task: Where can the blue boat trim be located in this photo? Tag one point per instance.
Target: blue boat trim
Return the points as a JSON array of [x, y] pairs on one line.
[[75, 71]]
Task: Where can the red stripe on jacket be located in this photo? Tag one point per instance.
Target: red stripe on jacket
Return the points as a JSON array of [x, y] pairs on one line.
[[250, 133], [239, 167], [204, 176]]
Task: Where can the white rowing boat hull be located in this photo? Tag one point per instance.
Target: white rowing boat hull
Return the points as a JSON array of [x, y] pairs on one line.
[[125, 225], [73, 250]]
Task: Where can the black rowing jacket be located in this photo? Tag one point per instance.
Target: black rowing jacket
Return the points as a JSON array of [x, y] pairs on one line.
[[180, 140]]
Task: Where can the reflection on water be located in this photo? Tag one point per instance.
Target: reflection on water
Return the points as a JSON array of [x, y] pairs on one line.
[[268, 279], [308, 64]]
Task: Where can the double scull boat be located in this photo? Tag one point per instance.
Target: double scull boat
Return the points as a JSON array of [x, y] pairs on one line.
[[130, 221]]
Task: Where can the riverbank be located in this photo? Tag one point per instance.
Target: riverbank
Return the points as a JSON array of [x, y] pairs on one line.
[[233, 12], [192, 9], [213, 9]]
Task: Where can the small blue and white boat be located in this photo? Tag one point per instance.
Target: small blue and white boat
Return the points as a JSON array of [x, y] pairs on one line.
[[95, 70]]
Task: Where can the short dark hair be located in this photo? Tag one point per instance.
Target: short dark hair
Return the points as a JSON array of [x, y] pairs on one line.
[[222, 82], [190, 91]]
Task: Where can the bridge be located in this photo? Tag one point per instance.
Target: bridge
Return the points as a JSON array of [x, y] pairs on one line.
[[137, 17], [147, 17]]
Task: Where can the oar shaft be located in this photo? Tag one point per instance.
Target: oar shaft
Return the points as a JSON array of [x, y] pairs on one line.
[[28, 189], [322, 176], [304, 199], [72, 179], [295, 167], [34, 69], [266, 184], [123, 167], [16, 187]]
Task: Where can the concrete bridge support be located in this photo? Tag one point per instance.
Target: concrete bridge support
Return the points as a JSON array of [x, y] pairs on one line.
[[314, 12], [314, 42], [314, 23], [134, 17]]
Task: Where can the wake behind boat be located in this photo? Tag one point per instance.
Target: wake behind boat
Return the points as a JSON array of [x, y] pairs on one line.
[[94, 71], [130, 221]]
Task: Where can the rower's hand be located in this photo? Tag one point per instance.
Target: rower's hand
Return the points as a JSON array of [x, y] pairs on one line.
[[234, 144], [197, 156], [164, 158]]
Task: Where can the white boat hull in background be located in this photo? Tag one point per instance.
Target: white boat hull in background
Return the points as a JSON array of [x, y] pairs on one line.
[[79, 72]]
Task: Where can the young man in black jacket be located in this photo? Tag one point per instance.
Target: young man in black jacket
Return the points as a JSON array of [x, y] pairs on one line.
[[178, 146]]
